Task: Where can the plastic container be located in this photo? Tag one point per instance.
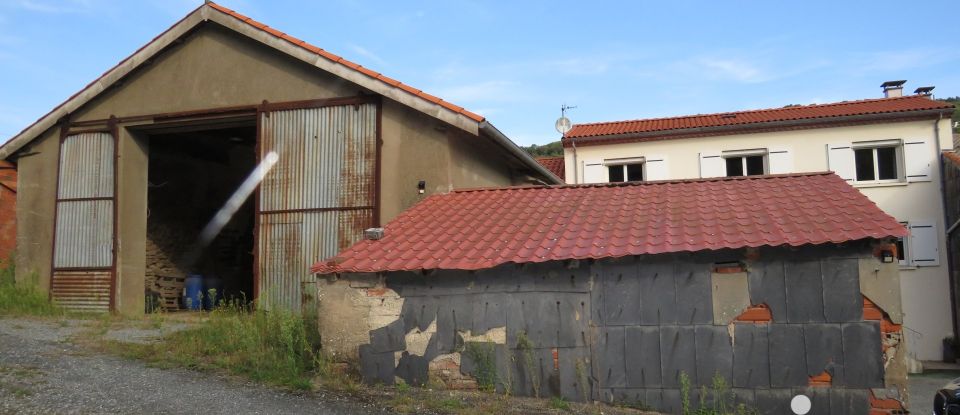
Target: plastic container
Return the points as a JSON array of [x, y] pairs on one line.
[[193, 292], [212, 292]]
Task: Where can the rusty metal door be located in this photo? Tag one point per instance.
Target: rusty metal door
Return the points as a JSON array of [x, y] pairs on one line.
[[83, 245], [318, 198]]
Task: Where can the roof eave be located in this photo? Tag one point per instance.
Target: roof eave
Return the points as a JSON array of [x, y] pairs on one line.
[[749, 128]]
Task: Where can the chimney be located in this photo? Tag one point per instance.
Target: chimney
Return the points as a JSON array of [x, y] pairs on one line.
[[893, 89], [925, 91]]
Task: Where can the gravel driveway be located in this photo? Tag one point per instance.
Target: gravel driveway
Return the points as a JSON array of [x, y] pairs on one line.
[[41, 372]]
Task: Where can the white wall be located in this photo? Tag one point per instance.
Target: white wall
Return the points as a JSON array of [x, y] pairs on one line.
[[925, 290]]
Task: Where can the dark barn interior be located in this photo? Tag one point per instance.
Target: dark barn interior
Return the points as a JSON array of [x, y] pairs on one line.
[[191, 175]]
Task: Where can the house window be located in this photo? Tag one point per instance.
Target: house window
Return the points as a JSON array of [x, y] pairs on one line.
[[632, 172], [744, 165], [879, 163], [902, 256]]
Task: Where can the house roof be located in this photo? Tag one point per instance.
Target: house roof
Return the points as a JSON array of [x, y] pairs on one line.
[[952, 157], [556, 165], [482, 228], [822, 112], [299, 49]]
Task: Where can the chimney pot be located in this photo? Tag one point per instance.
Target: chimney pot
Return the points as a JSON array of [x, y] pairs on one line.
[[893, 89]]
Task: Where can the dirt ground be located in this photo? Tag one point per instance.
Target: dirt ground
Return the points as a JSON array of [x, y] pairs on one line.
[[52, 365], [43, 371]]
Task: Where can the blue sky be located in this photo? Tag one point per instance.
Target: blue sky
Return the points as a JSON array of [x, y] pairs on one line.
[[516, 62]]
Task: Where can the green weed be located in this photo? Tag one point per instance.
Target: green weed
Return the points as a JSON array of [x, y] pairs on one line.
[[559, 403], [722, 402], [23, 298], [484, 356]]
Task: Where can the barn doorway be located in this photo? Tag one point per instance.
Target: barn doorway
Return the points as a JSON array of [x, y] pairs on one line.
[[191, 174]]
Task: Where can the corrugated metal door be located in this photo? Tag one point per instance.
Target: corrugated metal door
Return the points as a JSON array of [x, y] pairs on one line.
[[83, 251], [318, 198]]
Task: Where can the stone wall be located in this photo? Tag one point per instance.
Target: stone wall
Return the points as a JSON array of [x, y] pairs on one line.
[[771, 323]]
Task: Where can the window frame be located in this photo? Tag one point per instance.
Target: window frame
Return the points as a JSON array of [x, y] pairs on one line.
[[897, 145], [742, 155], [907, 261], [623, 163]]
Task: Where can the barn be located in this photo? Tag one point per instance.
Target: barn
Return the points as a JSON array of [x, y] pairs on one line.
[[116, 182], [778, 285]]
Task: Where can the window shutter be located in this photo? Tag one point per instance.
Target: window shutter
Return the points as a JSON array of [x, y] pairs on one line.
[[712, 165], [916, 160], [594, 171], [780, 160], [924, 244], [656, 168], [840, 161]]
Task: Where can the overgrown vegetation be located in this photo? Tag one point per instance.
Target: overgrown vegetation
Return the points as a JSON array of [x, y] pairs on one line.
[[553, 149], [525, 347], [718, 400], [23, 298], [956, 111], [484, 356], [267, 347]]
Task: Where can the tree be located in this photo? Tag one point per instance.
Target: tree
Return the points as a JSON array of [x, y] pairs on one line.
[[553, 149]]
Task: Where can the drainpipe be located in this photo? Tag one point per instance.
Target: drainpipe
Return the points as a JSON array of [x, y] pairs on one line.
[[946, 217], [576, 167]]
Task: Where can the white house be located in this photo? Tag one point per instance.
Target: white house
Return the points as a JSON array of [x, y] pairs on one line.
[[889, 148]]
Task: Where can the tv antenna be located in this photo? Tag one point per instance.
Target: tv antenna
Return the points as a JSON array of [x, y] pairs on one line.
[[563, 123]]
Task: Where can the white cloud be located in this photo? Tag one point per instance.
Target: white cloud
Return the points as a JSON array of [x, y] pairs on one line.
[[499, 91], [366, 53], [734, 69]]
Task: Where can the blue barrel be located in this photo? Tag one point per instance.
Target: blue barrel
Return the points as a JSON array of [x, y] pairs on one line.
[[212, 292], [193, 292]]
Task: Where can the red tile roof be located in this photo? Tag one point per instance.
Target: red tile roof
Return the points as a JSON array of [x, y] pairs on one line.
[[358, 68], [554, 164], [482, 228], [805, 112]]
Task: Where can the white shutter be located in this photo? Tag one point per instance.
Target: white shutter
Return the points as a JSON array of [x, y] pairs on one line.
[[594, 171], [712, 165], [924, 245], [840, 161], [656, 168], [916, 160], [780, 160]]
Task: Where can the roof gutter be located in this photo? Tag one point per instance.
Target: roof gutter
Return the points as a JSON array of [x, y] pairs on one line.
[[748, 128], [516, 151]]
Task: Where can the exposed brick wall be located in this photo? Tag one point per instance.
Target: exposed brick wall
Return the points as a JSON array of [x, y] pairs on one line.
[[8, 211]]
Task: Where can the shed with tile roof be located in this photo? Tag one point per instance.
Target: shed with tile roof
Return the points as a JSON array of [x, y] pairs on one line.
[[615, 292], [120, 179]]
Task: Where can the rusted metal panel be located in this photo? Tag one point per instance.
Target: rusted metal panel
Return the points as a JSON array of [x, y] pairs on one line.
[[82, 290], [84, 234], [318, 198], [83, 248]]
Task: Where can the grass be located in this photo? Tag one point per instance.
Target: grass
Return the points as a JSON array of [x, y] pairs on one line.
[[721, 400], [22, 298], [559, 403], [267, 347]]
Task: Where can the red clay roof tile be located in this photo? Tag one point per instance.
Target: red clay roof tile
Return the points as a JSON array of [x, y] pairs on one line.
[[554, 164], [344, 62], [482, 228], [804, 112], [953, 157]]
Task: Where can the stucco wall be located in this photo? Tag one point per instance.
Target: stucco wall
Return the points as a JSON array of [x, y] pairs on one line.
[[926, 295], [623, 330], [36, 193], [215, 68]]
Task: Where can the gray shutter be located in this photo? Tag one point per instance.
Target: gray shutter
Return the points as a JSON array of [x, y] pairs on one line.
[[656, 168], [712, 165], [916, 160], [840, 161], [924, 243], [780, 160], [594, 171]]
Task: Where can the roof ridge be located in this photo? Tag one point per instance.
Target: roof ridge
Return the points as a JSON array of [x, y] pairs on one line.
[[349, 64], [778, 109], [643, 183]]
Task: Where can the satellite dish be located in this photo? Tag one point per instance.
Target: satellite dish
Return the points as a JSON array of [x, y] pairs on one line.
[[563, 125]]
